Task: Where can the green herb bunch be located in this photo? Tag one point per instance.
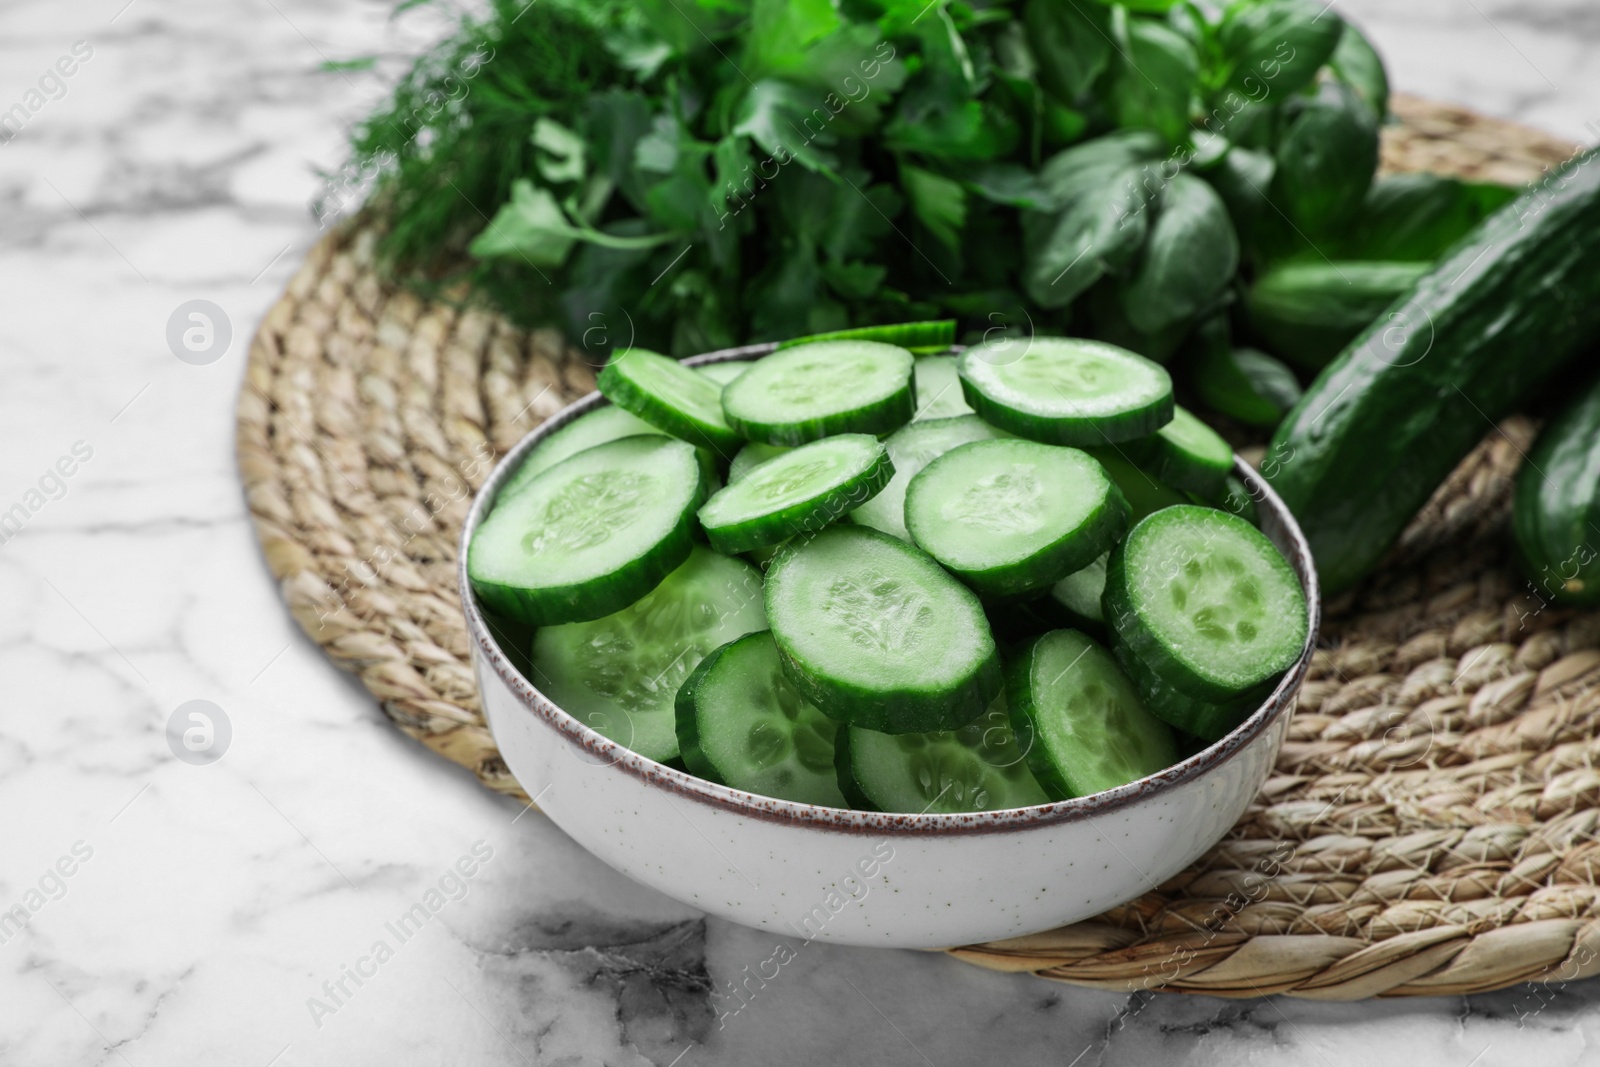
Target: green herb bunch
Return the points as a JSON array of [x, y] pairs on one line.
[[722, 171]]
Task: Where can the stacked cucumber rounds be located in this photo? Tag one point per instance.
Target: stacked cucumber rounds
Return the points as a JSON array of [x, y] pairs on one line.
[[1205, 613], [1014, 517], [898, 598], [807, 393], [1066, 391]]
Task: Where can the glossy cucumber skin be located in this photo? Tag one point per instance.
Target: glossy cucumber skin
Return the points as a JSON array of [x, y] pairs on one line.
[[820, 510], [707, 433], [1393, 415], [1208, 721], [694, 758], [1308, 312], [934, 335], [1556, 514], [596, 597], [888, 708]]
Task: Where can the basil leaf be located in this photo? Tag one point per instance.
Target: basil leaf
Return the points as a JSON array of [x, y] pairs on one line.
[[1083, 167], [1242, 178], [1419, 216], [1099, 228], [1356, 63], [1188, 261], [1071, 43], [1326, 161], [1094, 219], [1154, 77], [1244, 384], [1279, 44], [1108, 321]]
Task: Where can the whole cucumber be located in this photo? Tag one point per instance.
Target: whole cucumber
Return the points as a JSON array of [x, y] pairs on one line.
[[1556, 516], [1307, 312], [1386, 422]]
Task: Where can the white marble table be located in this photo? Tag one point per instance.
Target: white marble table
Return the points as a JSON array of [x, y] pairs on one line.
[[211, 913]]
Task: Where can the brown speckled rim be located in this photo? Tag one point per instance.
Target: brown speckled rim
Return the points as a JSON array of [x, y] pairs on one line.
[[610, 757]]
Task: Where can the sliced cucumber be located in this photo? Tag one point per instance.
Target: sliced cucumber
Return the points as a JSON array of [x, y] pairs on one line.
[[976, 768], [596, 428], [1066, 391], [1079, 594], [1186, 454], [1008, 517], [592, 534], [911, 448], [1079, 718], [1205, 601], [939, 389], [751, 456], [1210, 722], [741, 724], [876, 634], [723, 373], [668, 395], [816, 390], [804, 489], [935, 335], [620, 675]]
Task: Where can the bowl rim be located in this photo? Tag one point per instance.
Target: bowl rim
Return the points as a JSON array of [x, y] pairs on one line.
[[606, 754]]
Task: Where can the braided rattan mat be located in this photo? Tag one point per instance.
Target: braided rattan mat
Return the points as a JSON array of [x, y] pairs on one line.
[[1431, 825]]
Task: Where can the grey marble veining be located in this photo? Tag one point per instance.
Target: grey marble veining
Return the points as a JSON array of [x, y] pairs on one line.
[[233, 913]]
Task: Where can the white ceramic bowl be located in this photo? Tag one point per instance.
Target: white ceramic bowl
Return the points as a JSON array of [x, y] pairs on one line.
[[865, 878]]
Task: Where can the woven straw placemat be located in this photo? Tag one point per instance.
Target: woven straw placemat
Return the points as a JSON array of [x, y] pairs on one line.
[[1431, 824]]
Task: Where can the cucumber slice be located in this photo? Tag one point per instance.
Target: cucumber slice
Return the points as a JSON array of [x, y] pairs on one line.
[[666, 394], [976, 768], [596, 428], [1009, 517], [935, 335], [741, 724], [723, 373], [805, 489], [1144, 493], [1079, 593], [751, 456], [1186, 454], [1067, 391], [620, 675], [1079, 718], [912, 448], [938, 389], [592, 534], [1208, 721], [817, 390], [1205, 601], [876, 634]]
